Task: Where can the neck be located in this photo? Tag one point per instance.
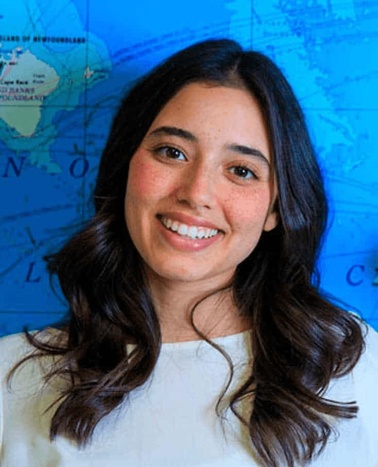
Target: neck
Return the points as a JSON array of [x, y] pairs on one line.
[[184, 308]]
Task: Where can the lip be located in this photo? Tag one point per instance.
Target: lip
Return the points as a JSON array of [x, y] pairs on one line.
[[183, 243], [187, 219]]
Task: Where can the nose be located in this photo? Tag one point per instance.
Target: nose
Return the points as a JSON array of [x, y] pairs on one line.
[[197, 186]]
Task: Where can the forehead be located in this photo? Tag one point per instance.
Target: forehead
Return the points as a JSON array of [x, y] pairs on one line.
[[223, 113]]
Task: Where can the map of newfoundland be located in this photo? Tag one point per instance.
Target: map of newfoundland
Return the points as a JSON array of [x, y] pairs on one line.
[[64, 66], [20, 84]]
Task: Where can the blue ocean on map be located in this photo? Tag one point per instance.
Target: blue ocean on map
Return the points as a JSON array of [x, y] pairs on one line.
[[65, 65]]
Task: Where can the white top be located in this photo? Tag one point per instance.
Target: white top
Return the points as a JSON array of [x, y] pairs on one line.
[[171, 420]]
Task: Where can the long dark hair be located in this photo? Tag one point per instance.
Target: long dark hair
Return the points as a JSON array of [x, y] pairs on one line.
[[300, 340]]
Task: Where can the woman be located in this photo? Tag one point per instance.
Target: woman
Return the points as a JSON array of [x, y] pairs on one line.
[[196, 334]]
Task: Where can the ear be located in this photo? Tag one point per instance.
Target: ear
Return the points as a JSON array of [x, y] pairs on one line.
[[271, 221]]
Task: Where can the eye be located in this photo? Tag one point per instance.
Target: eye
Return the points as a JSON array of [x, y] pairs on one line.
[[171, 153], [242, 172]]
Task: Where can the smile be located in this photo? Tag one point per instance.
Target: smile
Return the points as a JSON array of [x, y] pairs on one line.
[[190, 231]]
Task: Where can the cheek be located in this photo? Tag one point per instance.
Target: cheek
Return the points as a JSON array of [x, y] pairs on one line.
[[248, 213], [144, 183], [140, 180], [137, 196]]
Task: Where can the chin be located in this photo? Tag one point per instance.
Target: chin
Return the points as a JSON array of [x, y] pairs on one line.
[[176, 273]]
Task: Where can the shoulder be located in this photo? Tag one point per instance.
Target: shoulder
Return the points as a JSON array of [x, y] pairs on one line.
[[371, 347], [13, 348], [366, 369], [360, 384], [24, 369], [365, 375], [16, 348], [359, 387], [25, 397]]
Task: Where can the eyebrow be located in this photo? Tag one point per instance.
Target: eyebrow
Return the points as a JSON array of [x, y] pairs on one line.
[[174, 131], [247, 150], [239, 148]]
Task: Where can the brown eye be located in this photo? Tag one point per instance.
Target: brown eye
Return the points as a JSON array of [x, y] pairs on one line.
[[171, 153], [242, 172]]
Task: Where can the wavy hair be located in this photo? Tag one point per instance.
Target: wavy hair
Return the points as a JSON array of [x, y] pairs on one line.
[[300, 339]]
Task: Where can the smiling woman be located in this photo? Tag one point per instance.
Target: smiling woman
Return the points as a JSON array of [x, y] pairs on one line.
[[215, 200], [196, 333]]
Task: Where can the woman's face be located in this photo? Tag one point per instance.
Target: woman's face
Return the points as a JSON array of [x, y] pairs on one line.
[[200, 188]]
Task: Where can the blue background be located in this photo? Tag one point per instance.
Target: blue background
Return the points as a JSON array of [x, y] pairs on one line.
[[327, 49]]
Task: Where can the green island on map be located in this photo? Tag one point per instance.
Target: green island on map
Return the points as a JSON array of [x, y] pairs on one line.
[[45, 70], [25, 82]]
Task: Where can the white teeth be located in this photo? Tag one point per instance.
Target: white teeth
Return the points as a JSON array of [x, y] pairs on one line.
[[188, 231], [200, 233], [183, 229], [192, 232]]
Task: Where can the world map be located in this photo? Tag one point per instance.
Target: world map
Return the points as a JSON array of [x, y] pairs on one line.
[[64, 66]]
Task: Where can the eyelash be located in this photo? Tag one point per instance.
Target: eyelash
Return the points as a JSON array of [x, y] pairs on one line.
[[251, 174], [162, 151]]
